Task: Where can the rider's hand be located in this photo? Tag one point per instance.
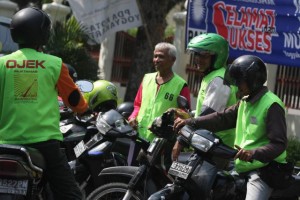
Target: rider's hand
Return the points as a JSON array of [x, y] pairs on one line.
[[133, 123], [245, 155], [176, 151], [179, 123]]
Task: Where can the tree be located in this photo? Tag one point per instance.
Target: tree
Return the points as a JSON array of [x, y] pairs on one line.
[[25, 3], [67, 41], [154, 14]]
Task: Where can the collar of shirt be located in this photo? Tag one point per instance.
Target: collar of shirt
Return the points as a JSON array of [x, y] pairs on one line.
[[257, 96]]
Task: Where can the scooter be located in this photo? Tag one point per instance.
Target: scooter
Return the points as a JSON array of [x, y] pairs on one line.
[[21, 168], [138, 183], [226, 185], [104, 149], [21, 172], [112, 146]]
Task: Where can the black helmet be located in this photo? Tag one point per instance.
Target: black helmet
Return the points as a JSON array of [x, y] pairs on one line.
[[162, 126], [125, 109], [72, 72], [30, 26], [248, 68]]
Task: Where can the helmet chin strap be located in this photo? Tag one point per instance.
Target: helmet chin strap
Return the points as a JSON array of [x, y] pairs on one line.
[[208, 70], [211, 67]]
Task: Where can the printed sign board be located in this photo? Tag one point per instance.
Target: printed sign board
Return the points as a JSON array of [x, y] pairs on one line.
[[265, 28], [99, 18]]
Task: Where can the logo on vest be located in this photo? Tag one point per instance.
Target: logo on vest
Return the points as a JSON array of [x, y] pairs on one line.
[[11, 64], [253, 120], [25, 87]]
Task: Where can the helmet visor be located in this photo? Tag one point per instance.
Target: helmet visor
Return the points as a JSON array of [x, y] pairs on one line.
[[202, 61], [199, 51]]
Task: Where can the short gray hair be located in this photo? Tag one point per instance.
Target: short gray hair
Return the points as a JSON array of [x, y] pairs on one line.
[[165, 45]]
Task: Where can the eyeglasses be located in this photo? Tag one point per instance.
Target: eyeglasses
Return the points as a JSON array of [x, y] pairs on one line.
[[203, 54]]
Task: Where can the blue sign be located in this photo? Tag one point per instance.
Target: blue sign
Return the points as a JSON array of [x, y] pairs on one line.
[[269, 29]]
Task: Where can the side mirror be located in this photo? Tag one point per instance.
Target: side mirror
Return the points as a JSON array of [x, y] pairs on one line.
[[183, 103], [84, 85]]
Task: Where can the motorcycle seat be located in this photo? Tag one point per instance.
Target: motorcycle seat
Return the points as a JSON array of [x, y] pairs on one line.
[[17, 151], [36, 157]]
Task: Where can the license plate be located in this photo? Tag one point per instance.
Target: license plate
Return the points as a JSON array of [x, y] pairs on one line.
[[180, 170], [79, 148], [9, 186]]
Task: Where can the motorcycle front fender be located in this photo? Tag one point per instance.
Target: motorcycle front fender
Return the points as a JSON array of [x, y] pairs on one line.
[[118, 172], [124, 174]]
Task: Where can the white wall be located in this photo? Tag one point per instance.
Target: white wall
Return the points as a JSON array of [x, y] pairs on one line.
[[105, 63], [292, 115]]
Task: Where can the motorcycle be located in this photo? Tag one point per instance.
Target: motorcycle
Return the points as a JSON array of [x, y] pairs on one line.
[[113, 147], [72, 127], [75, 129], [21, 168], [225, 185], [132, 182], [104, 149]]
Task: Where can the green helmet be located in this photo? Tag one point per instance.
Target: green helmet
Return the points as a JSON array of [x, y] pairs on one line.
[[103, 97], [211, 43]]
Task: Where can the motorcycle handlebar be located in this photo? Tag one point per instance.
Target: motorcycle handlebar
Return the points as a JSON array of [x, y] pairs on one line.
[[144, 143]]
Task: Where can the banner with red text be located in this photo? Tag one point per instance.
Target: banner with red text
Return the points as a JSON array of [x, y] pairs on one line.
[[99, 18], [269, 29]]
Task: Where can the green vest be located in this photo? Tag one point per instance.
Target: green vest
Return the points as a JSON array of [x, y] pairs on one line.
[[155, 103], [251, 129], [227, 136], [29, 111]]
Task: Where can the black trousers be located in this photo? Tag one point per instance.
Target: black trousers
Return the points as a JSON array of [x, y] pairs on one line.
[[58, 173]]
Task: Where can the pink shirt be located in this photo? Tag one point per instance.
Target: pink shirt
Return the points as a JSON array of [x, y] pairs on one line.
[[138, 99]]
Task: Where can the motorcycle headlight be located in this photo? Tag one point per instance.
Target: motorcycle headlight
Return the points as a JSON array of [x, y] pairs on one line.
[[201, 143], [187, 133], [102, 126]]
